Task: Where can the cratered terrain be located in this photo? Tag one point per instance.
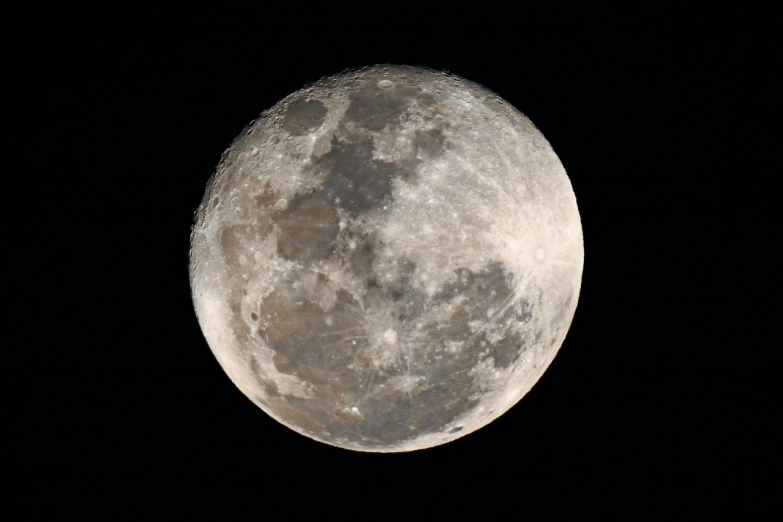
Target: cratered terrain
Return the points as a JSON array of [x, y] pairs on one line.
[[388, 259]]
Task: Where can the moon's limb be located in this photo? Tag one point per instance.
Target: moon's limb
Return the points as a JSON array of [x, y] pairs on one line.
[[388, 259]]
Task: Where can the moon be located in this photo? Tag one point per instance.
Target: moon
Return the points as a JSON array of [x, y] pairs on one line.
[[388, 259]]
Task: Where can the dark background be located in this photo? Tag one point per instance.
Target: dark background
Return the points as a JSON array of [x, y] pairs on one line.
[[118, 118]]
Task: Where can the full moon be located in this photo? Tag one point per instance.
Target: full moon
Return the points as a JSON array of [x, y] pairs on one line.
[[388, 259]]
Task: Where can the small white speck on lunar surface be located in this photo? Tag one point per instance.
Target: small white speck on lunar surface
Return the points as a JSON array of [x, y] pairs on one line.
[[387, 259]]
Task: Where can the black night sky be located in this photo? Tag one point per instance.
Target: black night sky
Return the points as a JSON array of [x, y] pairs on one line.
[[118, 118]]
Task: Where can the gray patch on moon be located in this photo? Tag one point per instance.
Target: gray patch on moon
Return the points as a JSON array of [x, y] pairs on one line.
[[375, 109], [308, 228], [355, 181], [338, 351], [430, 142], [359, 252], [304, 116]]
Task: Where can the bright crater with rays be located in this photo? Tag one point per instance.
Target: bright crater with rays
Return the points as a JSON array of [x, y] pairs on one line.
[[388, 259]]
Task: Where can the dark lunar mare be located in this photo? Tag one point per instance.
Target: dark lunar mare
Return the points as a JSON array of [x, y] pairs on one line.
[[342, 372], [355, 180], [303, 116]]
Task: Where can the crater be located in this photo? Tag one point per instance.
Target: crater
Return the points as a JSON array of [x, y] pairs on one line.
[[304, 116], [385, 84]]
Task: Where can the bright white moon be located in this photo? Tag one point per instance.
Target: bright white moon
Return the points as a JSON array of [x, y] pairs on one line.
[[388, 259]]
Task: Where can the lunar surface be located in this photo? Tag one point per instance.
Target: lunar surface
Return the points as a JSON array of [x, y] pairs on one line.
[[387, 259]]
